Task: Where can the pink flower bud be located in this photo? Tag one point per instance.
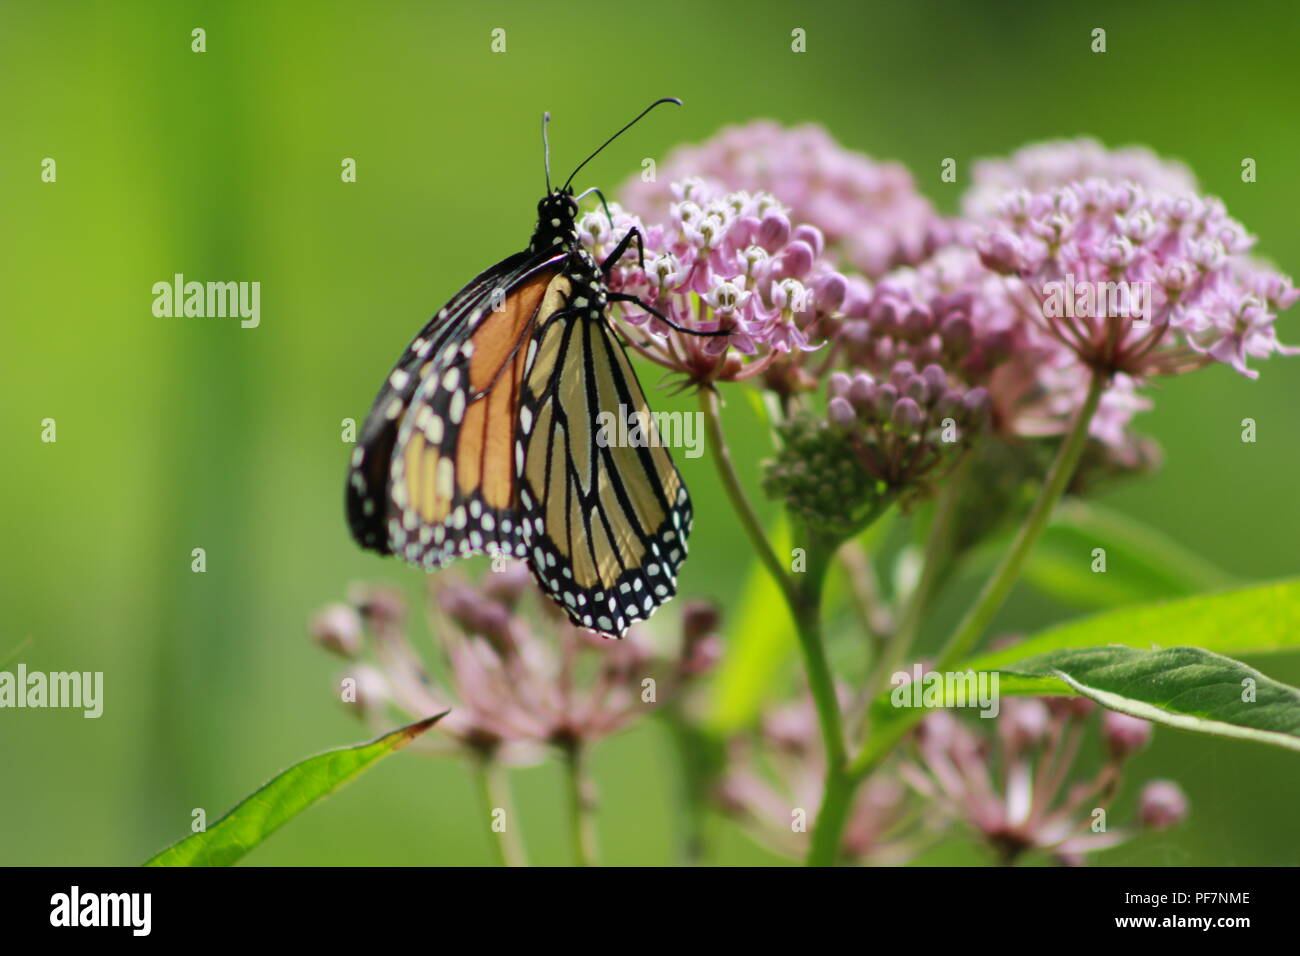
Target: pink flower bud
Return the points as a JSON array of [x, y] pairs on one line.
[[1124, 735], [907, 416], [338, 629], [840, 412], [812, 236], [1162, 805], [829, 292], [774, 231], [838, 387]]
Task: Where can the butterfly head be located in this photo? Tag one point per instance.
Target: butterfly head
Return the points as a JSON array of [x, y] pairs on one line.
[[557, 214]]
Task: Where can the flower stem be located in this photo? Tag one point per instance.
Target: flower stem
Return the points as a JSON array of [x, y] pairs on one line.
[[709, 406], [938, 549], [582, 806], [494, 788], [804, 601], [997, 588]]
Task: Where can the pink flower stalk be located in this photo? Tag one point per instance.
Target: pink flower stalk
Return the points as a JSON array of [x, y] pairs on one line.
[[773, 785], [1010, 786], [870, 212], [515, 683], [732, 262], [1041, 167], [1137, 281]]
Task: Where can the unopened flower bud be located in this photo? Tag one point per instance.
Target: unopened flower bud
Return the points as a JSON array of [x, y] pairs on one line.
[[1023, 721], [841, 413], [1162, 805], [883, 401], [977, 405], [774, 231], [838, 387], [907, 416], [364, 690], [796, 260], [1124, 735], [861, 390], [812, 236], [916, 325], [337, 628], [936, 378], [829, 292], [957, 335]]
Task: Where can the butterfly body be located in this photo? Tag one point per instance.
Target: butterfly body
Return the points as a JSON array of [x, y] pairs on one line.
[[483, 439]]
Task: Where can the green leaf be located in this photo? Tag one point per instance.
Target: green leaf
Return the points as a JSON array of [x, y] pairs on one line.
[[1263, 619], [1142, 563], [262, 812], [758, 644], [1185, 687]]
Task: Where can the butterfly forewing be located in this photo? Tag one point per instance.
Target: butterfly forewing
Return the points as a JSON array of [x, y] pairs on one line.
[[605, 522], [482, 317]]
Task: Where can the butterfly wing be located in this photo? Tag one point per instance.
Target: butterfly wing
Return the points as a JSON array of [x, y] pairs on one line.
[[428, 474], [605, 523]]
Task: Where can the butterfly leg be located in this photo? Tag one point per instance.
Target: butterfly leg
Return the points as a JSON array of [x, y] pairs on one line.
[[633, 235], [624, 297]]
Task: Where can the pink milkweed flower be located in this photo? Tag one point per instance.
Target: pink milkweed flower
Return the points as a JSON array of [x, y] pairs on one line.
[[1040, 167], [1137, 281], [869, 214], [515, 682], [1011, 786], [719, 262]]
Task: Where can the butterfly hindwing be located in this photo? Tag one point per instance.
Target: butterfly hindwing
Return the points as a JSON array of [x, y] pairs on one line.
[[605, 521]]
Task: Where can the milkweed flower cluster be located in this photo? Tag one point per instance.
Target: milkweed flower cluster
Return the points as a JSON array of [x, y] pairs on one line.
[[954, 311], [734, 263], [772, 786], [1042, 167], [1137, 281], [515, 683], [870, 212], [1012, 787]]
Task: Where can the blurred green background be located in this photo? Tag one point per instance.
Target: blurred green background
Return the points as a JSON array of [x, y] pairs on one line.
[[182, 433]]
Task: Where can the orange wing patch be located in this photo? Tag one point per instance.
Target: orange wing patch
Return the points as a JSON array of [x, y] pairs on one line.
[[454, 476]]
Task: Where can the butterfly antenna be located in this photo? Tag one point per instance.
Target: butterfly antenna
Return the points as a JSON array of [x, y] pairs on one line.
[[666, 99], [546, 151]]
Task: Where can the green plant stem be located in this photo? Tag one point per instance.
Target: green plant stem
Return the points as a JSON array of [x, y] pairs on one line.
[[753, 528], [999, 585], [804, 601], [995, 591], [582, 806], [938, 550], [494, 788]]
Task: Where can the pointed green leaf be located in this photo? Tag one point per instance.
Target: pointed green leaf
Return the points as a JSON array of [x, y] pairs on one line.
[[759, 643], [1263, 619], [262, 812], [1185, 687]]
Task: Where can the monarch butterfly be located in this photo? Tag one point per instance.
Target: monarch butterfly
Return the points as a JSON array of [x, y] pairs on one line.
[[483, 438]]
